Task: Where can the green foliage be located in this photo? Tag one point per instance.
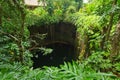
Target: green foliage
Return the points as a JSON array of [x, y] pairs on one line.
[[36, 16], [71, 9], [39, 16], [5, 50], [92, 22], [99, 60], [46, 50], [54, 12], [116, 63], [85, 23], [10, 51], [68, 71], [14, 33]]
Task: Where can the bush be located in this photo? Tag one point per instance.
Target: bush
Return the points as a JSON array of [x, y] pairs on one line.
[[68, 71]]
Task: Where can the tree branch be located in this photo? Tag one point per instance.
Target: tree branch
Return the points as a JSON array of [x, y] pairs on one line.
[[0, 15], [111, 21], [9, 35]]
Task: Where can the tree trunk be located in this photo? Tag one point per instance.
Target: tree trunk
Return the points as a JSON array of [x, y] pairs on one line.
[[0, 15], [115, 41], [21, 35], [102, 43], [87, 50], [111, 21]]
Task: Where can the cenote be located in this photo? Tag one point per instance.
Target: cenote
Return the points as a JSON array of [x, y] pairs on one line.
[[61, 53], [60, 38]]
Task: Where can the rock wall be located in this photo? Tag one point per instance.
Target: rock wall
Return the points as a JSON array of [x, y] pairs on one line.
[[55, 33]]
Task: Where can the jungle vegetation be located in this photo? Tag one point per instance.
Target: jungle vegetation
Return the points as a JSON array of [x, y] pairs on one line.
[[97, 39]]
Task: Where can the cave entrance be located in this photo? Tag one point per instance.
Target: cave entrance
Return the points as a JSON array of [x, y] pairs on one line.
[[61, 53], [60, 37]]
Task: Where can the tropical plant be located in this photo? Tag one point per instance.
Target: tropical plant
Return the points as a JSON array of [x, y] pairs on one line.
[[14, 34], [68, 71], [97, 39]]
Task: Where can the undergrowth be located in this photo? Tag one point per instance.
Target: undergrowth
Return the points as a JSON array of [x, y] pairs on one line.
[[68, 71]]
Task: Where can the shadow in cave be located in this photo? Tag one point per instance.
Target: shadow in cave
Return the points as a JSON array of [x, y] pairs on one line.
[[61, 53]]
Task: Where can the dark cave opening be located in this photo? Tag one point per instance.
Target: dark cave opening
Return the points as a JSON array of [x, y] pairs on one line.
[[61, 37], [61, 53]]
